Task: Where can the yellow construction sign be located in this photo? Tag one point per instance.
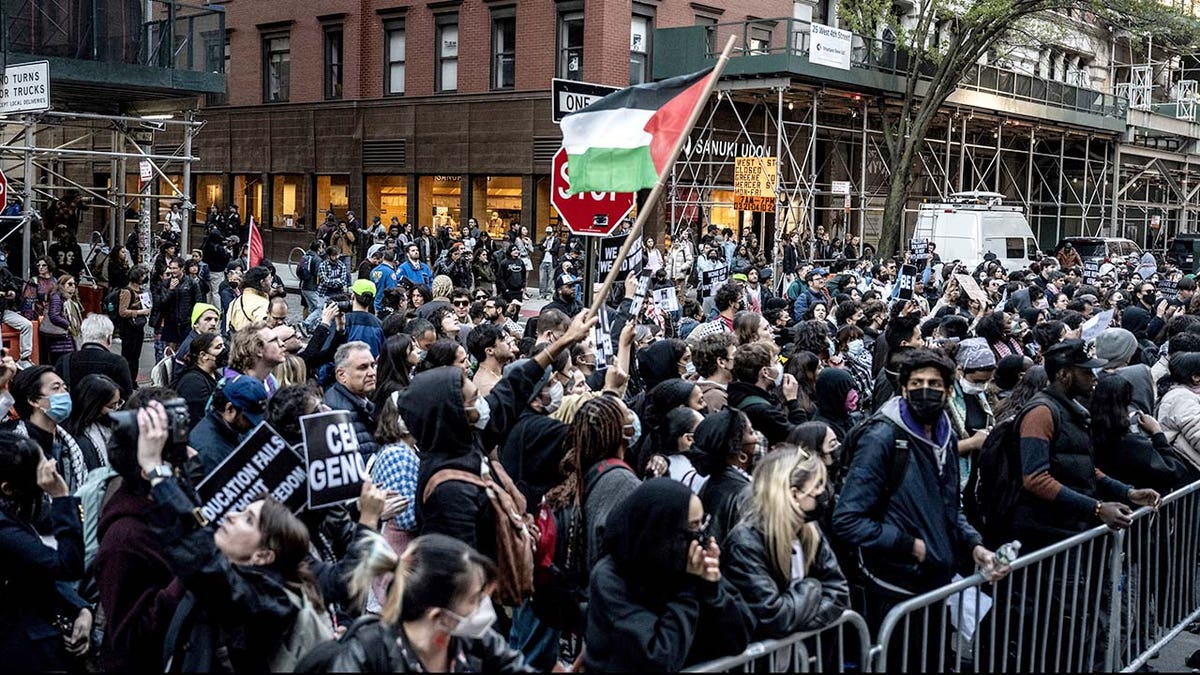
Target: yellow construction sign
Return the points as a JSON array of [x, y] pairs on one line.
[[754, 183]]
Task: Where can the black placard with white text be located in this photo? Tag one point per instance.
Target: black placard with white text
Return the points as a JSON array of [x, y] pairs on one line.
[[335, 466], [264, 464]]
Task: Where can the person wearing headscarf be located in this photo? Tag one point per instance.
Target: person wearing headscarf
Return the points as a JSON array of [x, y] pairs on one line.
[[837, 400], [971, 415], [657, 600], [726, 448], [532, 452]]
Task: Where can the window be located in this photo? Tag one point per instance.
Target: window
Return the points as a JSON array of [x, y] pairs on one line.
[[333, 62], [570, 46], [216, 60], [710, 31], [287, 200], [394, 77], [504, 49], [447, 53], [760, 40], [639, 49], [277, 66]]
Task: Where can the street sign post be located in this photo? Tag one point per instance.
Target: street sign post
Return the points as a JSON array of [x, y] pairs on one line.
[[570, 96], [587, 213]]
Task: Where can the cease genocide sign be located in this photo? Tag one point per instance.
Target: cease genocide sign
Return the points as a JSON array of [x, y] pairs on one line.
[[335, 467]]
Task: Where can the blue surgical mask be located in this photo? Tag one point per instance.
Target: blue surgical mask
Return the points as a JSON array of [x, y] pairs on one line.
[[60, 407]]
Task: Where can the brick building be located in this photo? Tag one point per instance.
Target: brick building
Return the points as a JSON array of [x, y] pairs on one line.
[[431, 112]]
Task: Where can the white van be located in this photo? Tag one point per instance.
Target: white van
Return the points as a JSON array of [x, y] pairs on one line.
[[972, 224]]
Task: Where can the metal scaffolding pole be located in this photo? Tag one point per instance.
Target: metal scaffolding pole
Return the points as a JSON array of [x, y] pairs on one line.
[[27, 203], [188, 207]]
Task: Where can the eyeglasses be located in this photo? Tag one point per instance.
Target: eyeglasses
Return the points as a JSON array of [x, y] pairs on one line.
[[462, 303]]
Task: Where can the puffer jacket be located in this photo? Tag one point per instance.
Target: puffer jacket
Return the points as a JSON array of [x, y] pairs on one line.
[[680, 259], [1179, 415], [781, 605]]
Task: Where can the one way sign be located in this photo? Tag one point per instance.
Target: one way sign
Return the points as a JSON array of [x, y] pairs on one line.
[[571, 96]]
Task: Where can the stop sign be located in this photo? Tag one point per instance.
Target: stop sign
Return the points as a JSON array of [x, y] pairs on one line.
[[3, 190], [594, 213]]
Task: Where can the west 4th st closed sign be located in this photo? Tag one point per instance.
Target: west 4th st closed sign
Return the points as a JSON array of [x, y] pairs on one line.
[[587, 213]]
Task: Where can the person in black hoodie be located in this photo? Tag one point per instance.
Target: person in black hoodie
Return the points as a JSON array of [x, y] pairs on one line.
[[510, 280], [31, 572], [532, 451], [657, 600], [727, 448], [777, 557], [455, 427], [758, 384], [834, 399]]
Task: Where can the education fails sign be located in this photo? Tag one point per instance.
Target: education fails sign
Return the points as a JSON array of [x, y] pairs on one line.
[[263, 464]]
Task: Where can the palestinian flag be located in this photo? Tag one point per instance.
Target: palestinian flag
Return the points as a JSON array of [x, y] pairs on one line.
[[622, 142]]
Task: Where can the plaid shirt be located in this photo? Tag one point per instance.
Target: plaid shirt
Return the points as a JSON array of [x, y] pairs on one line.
[[332, 274], [396, 469]]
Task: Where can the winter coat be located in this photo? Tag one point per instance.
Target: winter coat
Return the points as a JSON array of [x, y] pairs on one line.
[[925, 505], [362, 409], [531, 455], [91, 358], [177, 303], [724, 496], [214, 439], [680, 259], [32, 575], [645, 613], [1179, 415], [196, 387], [768, 416], [371, 646], [783, 605]]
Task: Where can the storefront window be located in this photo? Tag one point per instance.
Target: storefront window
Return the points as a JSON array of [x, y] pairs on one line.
[[501, 203], [171, 192], [721, 212], [440, 202], [248, 195], [333, 194], [388, 197], [209, 192], [288, 206]]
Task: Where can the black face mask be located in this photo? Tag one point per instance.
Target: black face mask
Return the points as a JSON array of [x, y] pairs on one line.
[[223, 358], [926, 404], [824, 505]]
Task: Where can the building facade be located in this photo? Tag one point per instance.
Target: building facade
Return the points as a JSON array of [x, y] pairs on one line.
[[427, 112]]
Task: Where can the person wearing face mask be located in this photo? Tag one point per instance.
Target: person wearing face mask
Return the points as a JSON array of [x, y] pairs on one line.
[[837, 401], [43, 403], [437, 616], [681, 426], [727, 447], [235, 410], [455, 427], [762, 391], [777, 557], [900, 501], [534, 448], [199, 380], [657, 600], [89, 424], [970, 413]]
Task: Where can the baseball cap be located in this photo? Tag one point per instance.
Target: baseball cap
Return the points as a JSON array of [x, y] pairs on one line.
[[249, 396], [1072, 353], [363, 286], [567, 280]]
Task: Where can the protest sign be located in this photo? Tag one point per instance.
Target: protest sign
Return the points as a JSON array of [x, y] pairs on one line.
[[711, 280], [609, 248], [906, 281], [1091, 270], [263, 464], [971, 287], [1093, 327], [602, 338], [920, 250], [666, 299], [335, 467], [639, 295], [1168, 290]]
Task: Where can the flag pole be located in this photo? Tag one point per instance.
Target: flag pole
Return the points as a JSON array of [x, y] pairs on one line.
[[656, 192], [249, 237]]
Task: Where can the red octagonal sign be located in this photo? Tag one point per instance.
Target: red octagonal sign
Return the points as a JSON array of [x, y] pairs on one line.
[[588, 213]]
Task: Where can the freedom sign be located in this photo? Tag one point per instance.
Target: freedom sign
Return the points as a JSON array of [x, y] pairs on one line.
[[335, 466], [264, 464]]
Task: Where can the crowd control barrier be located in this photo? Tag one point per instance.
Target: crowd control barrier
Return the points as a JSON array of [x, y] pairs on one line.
[[840, 647]]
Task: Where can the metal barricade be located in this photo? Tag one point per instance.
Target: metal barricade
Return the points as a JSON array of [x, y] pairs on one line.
[[837, 648], [1045, 615], [1159, 577]]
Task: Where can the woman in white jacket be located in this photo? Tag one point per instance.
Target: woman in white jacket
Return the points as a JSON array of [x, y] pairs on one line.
[[1179, 409]]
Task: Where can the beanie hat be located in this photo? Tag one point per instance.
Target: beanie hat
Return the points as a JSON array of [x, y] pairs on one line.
[[200, 308], [1115, 346]]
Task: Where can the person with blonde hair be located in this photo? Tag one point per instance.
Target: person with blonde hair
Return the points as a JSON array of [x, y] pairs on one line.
[[291, 371], [437, 616], [255, 350], [777, 557]]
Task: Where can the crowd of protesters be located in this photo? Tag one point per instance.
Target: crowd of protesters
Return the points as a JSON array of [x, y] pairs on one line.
[[643, 490]]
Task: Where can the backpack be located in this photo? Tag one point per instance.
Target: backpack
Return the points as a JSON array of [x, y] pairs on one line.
[[304, 267], [308, 630], [516, 536], [346, 651], [95, 492], [996, 480], [111, 304], [163, 372]]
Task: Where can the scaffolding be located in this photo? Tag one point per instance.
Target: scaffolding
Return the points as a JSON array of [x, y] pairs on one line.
[[50, 154]]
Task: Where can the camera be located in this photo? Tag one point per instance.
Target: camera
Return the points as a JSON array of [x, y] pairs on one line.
[[125, 427]]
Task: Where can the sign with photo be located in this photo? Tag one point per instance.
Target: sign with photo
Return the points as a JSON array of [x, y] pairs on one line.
[[264, 464], [335, 465], [666, 299], [639, 296]]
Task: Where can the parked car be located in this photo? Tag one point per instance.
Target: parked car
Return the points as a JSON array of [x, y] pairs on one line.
[[1116, 250], [1181, 250]]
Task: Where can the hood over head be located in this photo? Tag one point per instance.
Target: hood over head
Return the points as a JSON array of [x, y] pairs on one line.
[[646, 534], [832, 386]]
